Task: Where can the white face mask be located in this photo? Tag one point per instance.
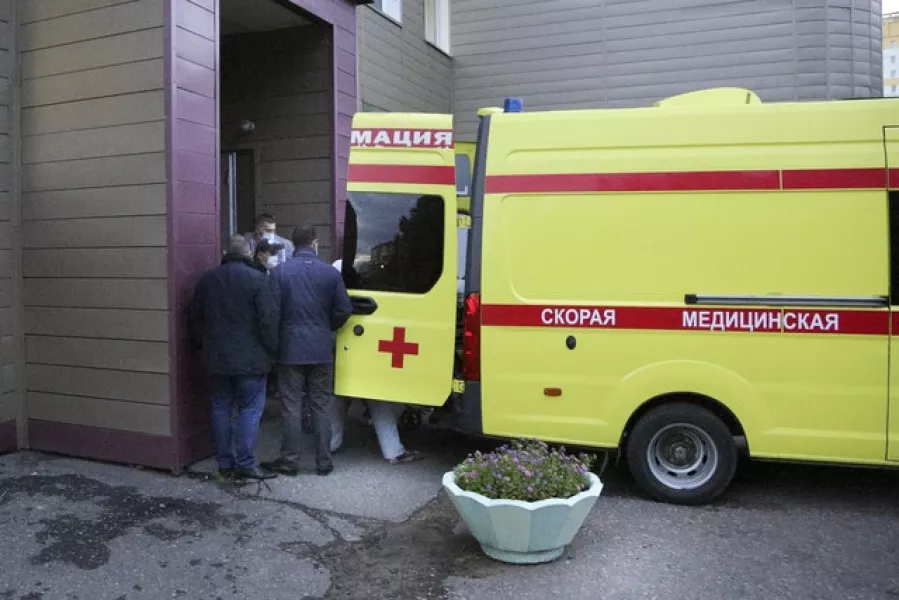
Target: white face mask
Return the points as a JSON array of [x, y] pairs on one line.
[[268, 236]]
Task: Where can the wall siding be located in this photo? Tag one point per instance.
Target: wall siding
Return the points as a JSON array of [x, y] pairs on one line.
[[11, 397], [94, 231], [398, 69], [618, 53], [283, 82]]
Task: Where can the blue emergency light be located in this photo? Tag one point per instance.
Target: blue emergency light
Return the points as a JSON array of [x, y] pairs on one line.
[[513, 105]]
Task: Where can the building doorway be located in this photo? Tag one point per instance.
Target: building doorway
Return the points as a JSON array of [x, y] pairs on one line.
[[276, 115], [273, 81]]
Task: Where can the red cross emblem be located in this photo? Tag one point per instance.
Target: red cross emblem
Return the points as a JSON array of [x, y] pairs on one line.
[[398, 347]]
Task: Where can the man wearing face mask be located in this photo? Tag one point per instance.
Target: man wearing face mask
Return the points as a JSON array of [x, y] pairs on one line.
[[266, 251], [266, 228]]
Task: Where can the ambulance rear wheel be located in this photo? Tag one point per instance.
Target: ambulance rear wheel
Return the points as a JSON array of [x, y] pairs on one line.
[[682, 454]]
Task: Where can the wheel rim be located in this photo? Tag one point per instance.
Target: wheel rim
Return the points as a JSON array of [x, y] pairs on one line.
[[682, 456]]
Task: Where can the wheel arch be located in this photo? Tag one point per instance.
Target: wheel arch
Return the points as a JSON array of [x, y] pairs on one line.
[[717, 408], [724, 392]]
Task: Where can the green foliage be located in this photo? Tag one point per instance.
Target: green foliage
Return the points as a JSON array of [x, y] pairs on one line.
[[527, 470]]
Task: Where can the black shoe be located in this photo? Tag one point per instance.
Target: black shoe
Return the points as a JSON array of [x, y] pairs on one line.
[[407, 457], [283, 466], [324, 471], [253, 473]]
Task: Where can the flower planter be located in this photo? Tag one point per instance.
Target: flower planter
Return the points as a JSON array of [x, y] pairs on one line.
[[519, 532]]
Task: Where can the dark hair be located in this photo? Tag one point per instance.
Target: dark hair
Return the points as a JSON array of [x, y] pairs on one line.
[[265, 218], [304, 236], [238, 244], [269, 247]]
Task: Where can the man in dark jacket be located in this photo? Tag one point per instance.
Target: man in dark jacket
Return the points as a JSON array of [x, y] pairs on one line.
[[314, 305], [234, 323]]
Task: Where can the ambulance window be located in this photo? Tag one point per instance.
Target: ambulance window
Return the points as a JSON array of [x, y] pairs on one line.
[[393, 242], [463, 175], [893, 199], [461, 259]]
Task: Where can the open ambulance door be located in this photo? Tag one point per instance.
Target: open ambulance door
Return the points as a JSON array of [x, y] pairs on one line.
[[891, 144], [399, 260]]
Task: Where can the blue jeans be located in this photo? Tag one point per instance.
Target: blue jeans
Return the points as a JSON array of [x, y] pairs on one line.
[[247, 393]]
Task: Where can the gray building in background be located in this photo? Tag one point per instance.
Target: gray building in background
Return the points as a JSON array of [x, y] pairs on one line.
[[616, 53], [399, 70]]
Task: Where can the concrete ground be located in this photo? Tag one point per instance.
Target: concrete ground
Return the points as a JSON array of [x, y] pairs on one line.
[[77, 529]]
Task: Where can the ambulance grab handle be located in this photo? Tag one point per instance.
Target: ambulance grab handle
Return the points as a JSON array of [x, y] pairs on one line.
[[363, 305]]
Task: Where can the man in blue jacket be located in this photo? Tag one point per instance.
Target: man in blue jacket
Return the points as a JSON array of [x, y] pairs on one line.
[[314, 305], [234, 324]]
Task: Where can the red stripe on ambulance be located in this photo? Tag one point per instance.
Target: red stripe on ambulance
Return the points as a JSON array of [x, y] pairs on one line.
[[421, 174], [834, 179], [634, 182], [402, 138], [694, 181], [851, 322]]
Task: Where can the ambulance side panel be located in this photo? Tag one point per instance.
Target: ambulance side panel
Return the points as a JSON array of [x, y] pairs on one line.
[[602, 227]]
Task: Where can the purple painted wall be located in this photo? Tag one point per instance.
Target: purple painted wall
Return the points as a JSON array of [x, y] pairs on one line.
[[192, 150], [192, 146]]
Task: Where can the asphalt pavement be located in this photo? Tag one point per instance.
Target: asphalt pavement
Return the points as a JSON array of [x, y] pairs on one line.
[[77, 529]]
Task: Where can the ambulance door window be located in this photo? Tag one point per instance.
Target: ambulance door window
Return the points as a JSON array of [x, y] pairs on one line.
[[893, 197], [393, 242], [463, 175], [462, 256]]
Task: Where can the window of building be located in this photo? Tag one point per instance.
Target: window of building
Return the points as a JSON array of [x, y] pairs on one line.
[[893, 73], [392, 9], [393, 242], [893, 59], [437, 23]]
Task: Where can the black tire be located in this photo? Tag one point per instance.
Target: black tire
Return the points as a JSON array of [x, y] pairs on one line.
[[696, 417]]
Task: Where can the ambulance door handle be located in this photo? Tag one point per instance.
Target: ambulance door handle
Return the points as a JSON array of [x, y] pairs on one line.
[[363, 305]]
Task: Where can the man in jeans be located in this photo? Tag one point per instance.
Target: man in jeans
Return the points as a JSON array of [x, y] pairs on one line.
[[314, 305], [234, 323]]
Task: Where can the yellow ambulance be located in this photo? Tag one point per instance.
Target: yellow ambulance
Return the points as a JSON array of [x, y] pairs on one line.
[[679, 283]]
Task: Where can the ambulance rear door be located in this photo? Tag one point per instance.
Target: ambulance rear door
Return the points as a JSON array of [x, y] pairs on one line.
[[399, 260], [891, 144]]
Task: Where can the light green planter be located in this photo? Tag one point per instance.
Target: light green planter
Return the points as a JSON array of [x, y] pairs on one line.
[[523, 532]]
